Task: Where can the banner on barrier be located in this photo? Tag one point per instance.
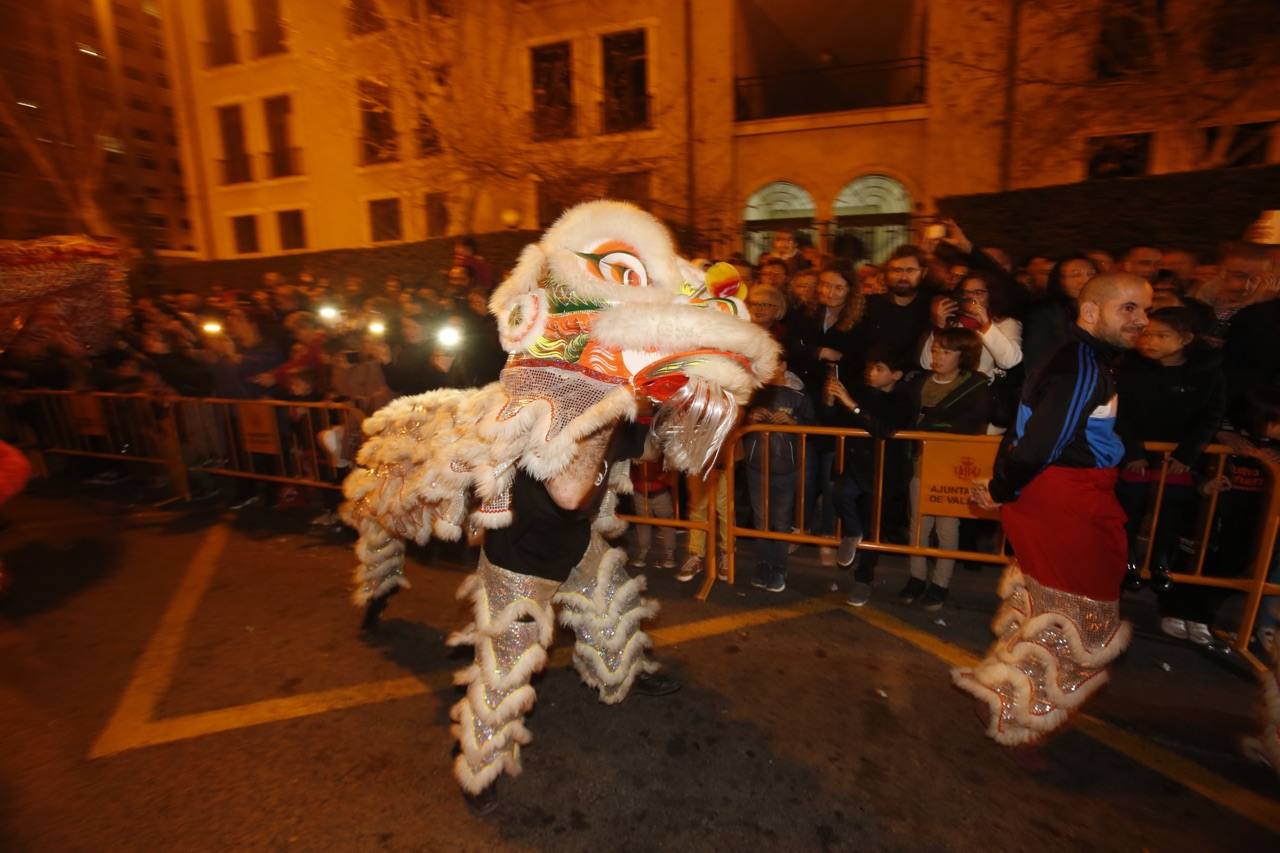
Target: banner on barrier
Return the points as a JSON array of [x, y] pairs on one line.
[[948, 470], [259, 431]]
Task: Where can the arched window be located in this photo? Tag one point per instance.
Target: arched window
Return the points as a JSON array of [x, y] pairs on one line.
[[775, 206], [873, 217]]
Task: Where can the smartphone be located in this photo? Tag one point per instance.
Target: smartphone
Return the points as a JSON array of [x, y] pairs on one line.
[[935, 232]]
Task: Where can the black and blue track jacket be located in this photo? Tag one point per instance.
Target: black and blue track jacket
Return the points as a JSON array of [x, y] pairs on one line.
[[1066, 416]]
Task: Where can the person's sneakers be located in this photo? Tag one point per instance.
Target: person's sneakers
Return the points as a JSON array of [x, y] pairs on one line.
[[245, 503], [827, 556], [1132, 578], [1174, 627], [654, 684], [667, 564], [763, 574], [722, 566], [848, 550], [326, 519], [913, 590], [934, 597], [691, 569], [859, 594], [483, 802], [777, 581], [1199, 633], [638, 561]]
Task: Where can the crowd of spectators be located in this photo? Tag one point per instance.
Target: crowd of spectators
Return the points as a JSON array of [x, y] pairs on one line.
[[303, 340], [942, 336], [939, 336]]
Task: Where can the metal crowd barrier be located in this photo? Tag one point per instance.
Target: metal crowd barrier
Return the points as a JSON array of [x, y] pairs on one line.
[[948, 466], [705, 520], [312, 444], [305, 444]]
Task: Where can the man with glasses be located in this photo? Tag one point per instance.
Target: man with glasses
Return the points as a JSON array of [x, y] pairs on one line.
[[897, 320]]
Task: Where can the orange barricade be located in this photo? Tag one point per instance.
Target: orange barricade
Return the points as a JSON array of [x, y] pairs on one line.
[[948, 466]]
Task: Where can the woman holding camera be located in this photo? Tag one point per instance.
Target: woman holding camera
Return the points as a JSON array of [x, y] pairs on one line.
[[971, 306]]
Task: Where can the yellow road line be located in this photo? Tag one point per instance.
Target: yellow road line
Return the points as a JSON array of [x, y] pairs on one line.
[[1252, 806], [154, 669], [132, 725]]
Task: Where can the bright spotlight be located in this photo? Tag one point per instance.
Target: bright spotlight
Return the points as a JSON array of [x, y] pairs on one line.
[[377, 327], [449, 337]]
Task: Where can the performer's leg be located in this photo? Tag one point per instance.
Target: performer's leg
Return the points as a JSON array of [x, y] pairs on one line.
[[514, 625], [1266, 746], [602, 604], [1051, 656], [381, 571]]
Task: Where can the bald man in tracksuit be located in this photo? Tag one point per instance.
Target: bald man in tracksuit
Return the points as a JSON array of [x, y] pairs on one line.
[[1054, 484]]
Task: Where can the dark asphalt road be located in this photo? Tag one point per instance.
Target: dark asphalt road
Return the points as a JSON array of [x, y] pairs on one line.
[[815, 732]]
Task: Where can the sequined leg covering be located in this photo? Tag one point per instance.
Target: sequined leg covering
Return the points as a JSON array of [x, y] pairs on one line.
[[514, 625], [381, 569], [602, 604], [1266, 747], [1051, 656]]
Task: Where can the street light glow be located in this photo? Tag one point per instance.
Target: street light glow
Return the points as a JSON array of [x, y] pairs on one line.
[[377, 327], [449, 337], [328, 312], [212, 328]]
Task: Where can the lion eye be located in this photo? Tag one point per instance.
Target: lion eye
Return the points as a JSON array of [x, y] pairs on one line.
[[623, 268]]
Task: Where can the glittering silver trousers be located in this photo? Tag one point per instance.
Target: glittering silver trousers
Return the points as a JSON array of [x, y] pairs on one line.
[[514, 624], [1051, 655]]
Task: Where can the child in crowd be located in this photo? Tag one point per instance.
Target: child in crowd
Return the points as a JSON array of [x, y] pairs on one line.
[[652, 497], [883, 406], [782, 402], [955, 398], [1170, 390]]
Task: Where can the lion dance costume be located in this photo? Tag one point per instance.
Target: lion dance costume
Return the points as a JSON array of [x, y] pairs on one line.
[[600, 311]]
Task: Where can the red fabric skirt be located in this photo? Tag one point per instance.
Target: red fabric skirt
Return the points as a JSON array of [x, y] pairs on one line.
[[1067, 529]]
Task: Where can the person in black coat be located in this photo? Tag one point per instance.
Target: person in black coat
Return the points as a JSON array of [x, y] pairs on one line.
[[883, 406], [820, 344], [1047, 325], [1170, 390]]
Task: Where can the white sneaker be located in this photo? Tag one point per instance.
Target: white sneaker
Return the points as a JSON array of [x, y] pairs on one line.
[[848, 550], [827, 555], [637, 562], [1176, 628], [1199, 633], [667, 564]]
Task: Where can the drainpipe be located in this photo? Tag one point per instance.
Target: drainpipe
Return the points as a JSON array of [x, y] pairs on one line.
[[690, 170], [1010, 91]]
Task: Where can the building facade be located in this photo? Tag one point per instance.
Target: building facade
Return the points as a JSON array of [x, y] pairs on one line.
[[348, 123], [88, 140]]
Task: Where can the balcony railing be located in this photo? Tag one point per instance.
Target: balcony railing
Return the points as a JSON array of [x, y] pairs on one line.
[[553, 122], [267, 41], [221, 51], [236, 170], [283, 162], [619, 115], [890, 83]]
